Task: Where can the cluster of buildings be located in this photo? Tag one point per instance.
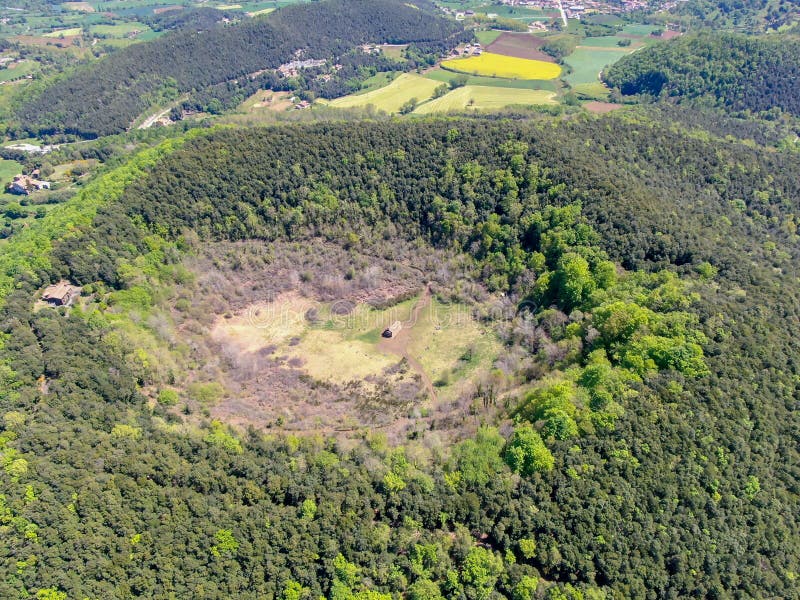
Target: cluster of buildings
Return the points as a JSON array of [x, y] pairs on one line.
[[370, 49], [459, 15], [468, 50], [577, 9], [25, 185], [292, 69]]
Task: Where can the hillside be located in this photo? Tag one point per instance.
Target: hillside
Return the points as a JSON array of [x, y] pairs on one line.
[[105, 97], [636, 437], [753, 16], [735, 72]]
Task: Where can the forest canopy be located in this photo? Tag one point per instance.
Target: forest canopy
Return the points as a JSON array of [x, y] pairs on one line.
[[734, 72], [639, 462]]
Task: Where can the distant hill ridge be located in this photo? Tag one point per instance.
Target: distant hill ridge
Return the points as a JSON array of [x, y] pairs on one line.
[[731, 71], [105, 97]]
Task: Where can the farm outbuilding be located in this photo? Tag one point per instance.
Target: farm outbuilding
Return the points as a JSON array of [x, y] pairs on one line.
[[392, 330], [60, 294]]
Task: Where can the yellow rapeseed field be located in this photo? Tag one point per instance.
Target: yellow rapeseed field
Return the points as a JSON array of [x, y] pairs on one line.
[[498, 65]]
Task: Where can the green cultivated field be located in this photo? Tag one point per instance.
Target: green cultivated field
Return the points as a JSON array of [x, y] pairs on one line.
[[487, 37], [608, 41], [391, 97], [24, 68], [8, 168], [592, 91], [587, 63], [120, 30], [376, 82], [65, 32], [521, 84], [481, 97], [639, 29]]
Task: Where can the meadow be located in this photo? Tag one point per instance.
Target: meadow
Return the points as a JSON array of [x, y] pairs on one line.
[[392, 97], [439, 340], [479, 97], [587, 63], [496, 65], [8, 168], [21, 69], [119, 30], [487, 37], [640, 29], [607, 41], [73, 31]]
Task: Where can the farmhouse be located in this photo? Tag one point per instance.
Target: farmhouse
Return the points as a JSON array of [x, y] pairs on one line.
[[60, 294], [24, 185], [392, 330]]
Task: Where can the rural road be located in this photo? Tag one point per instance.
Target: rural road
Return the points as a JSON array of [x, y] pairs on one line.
[[563, 13]]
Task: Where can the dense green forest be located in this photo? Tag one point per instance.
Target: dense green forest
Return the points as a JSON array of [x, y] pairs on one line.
[[754, 16], [105, 97], [735, 72], [653, 454]]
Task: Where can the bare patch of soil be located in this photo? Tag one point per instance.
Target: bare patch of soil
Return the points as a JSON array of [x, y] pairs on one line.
[[601, 107], [398, 344], [520, 45]]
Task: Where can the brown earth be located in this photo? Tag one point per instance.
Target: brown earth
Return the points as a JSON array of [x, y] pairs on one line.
[[601, 107], [40, 40], [398, 344], [520, 45]]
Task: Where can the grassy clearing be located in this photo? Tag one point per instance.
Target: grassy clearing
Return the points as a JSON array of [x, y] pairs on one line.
[[450, 345], [394, 51], [391, 97], [496, 65], [377, 81], [480, 97], [445, 339], [587, 63], [8, 168], [608, 41], [64, 171], [519, 13], [119, 30], [487, 37], [266, 100], [263, 11], [78, 6], [21, 69], [591, 91], [522, 84], [73, 31], [640, 29]]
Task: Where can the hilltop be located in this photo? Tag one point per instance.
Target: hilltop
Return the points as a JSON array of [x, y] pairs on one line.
[[106, 97]]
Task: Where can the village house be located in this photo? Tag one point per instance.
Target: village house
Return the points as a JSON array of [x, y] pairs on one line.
[[60, 294], [25, 185]]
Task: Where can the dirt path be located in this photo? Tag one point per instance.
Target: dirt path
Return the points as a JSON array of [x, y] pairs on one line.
[[151, 120], [400, 342]]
